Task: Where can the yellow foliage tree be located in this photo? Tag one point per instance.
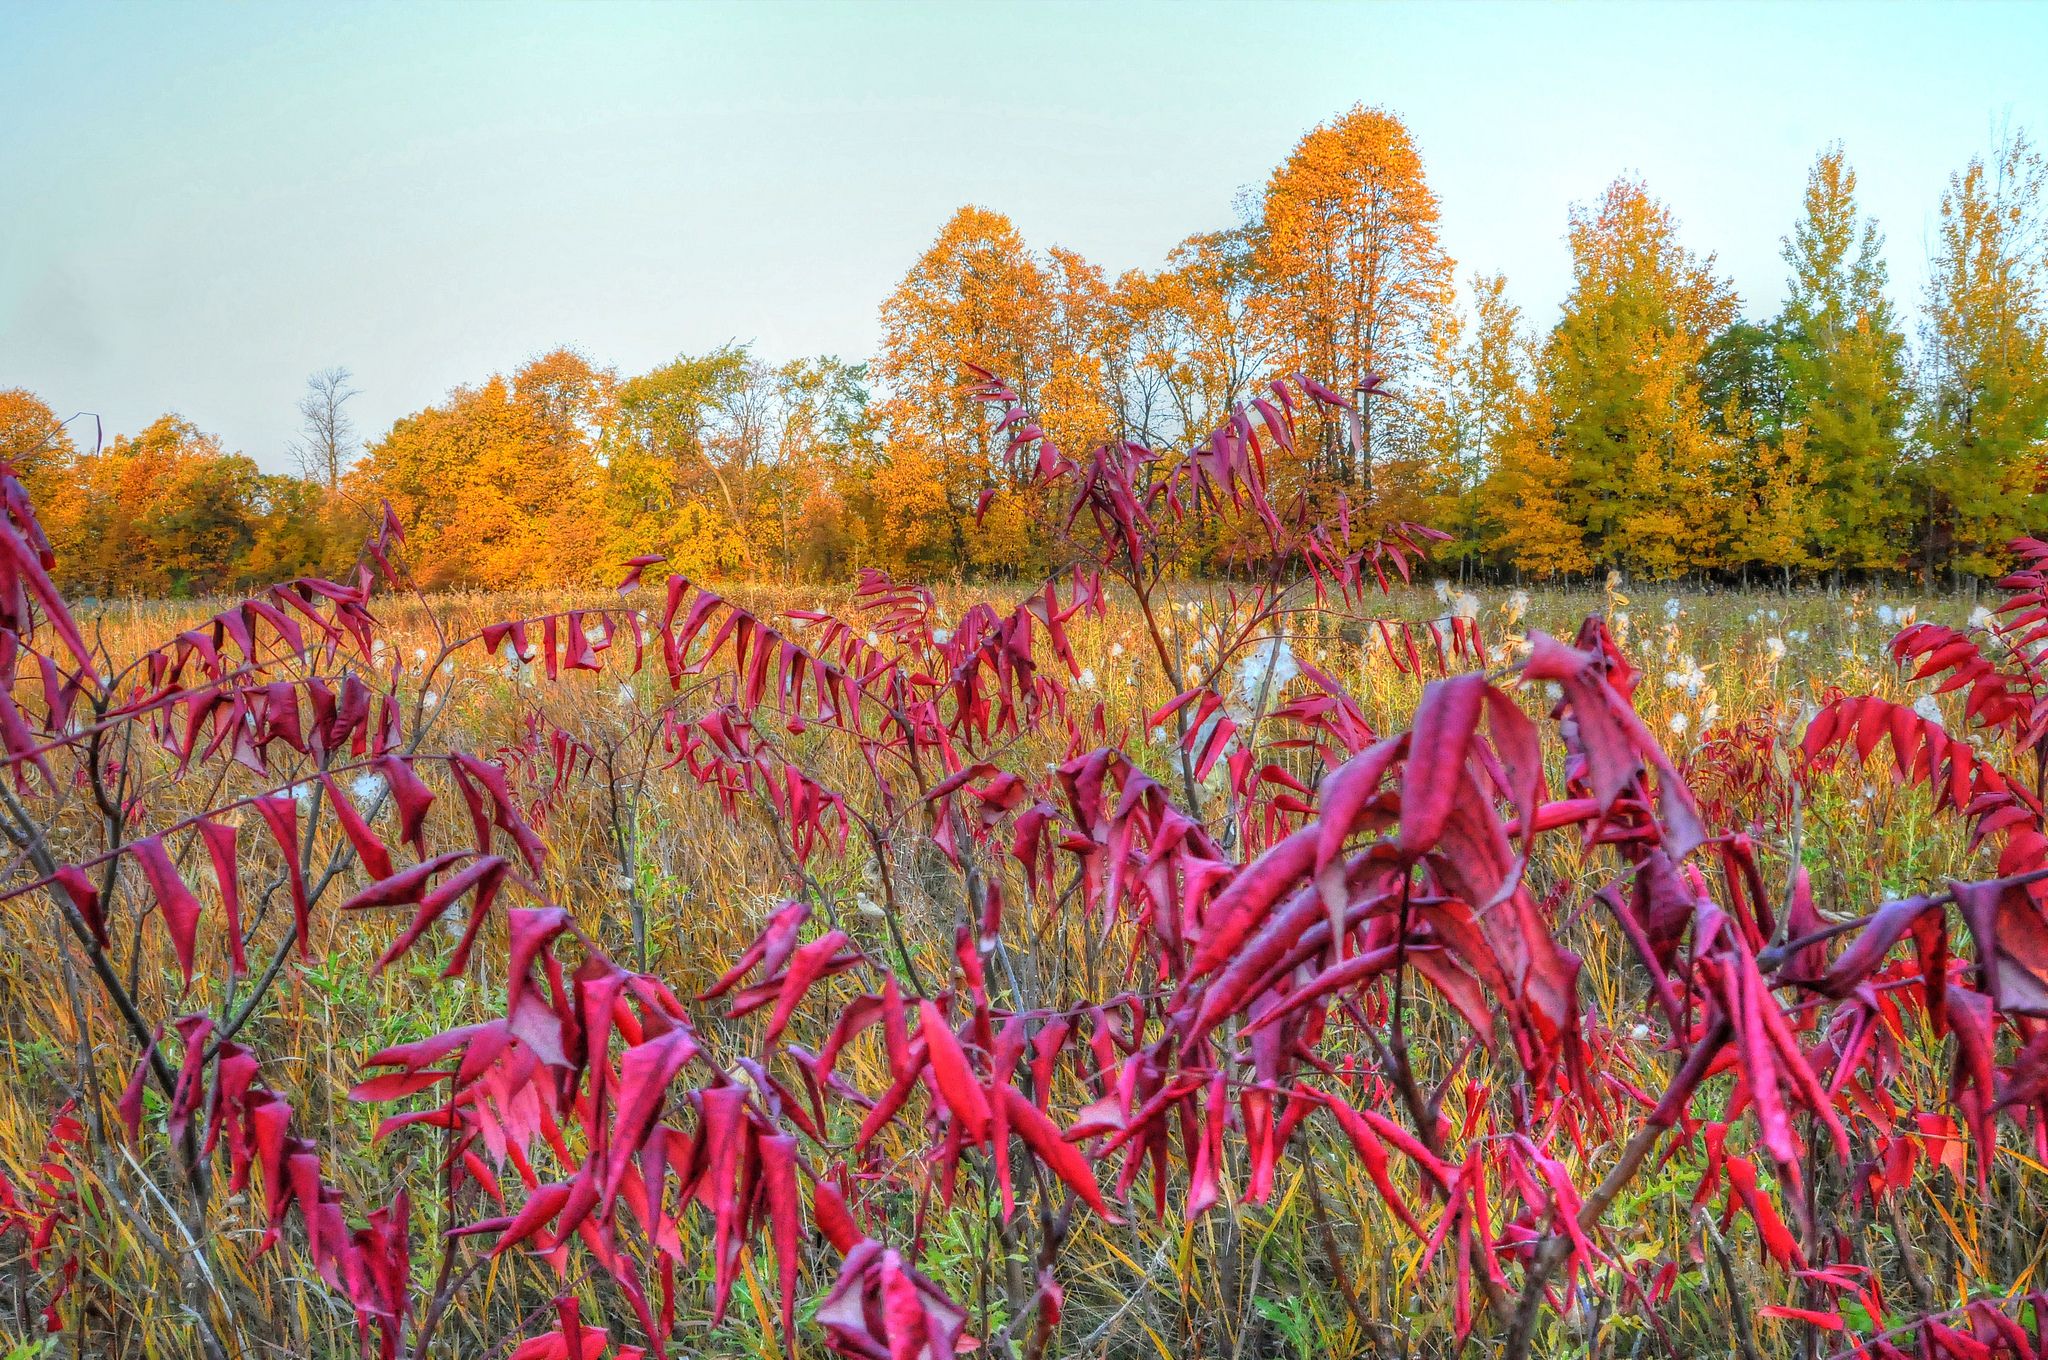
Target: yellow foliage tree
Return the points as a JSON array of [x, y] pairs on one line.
[[1524, 512], [1623, 373], [1780, 510], [1189, 340]]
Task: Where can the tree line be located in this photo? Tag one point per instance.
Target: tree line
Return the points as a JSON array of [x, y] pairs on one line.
[[1652, 428]]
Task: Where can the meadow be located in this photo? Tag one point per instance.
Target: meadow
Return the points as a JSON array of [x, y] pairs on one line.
[[1329, 960], [681, 888]]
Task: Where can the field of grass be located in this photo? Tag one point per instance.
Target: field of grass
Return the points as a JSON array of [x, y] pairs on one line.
[[679, 886]]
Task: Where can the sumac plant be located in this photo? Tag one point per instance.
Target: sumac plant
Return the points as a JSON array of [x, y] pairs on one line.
[[1070, 1022]]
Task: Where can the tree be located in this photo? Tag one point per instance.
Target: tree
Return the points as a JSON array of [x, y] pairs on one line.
[[1624, 373], [826, 450], [169, 512], [499, 485], [1506, 452], [725, 464], [979, 295], [1358, 281], [1184, 346], [666, 490], [1984, 357], [1525, 511], [1771, 484], [34, 442], [1072, 385], [1473, 400], [1743, 379], [327, 439], [1189, 339], [1842, 358]]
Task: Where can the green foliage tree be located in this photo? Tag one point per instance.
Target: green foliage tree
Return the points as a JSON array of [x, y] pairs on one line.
[[1770, 484], [1743, 374]]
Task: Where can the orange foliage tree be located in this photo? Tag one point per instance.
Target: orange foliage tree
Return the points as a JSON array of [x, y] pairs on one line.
[[1358, 284], [979, 295], [498, 485], [169, 512]]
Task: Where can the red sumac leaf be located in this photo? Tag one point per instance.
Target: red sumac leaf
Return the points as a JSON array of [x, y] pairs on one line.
[[369, 849], [957, 1083], [220, 846], [180, 907], [1445, 722], [1060, 1157]]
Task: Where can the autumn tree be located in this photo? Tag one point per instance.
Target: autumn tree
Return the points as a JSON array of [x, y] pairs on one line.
[[1771, 485], [726, 464], [1189, 339], [1518, 513], [1475, 398], [1984, 357], [498, 486], [827, 444], [1142, 357], [167, 511], [1623, 368], [1842, 362], [1530, 518], [979, 295], [677, 463], [1183, 346], [34, 443], [1072, 380], [1358, 282], [1499, 371]]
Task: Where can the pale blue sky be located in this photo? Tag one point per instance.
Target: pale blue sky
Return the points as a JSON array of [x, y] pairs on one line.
[[200, 204]]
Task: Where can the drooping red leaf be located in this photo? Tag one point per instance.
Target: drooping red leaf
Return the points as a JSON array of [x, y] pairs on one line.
[[778, 1183], [220, 847], [634, 567], [411, 794], [376, 860], [174, 898], [281, 815], [85, 899], [957, 1083], [1060, 1157], [1445, 722]]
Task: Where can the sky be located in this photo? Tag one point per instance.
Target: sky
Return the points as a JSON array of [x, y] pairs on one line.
[[202, 204]]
